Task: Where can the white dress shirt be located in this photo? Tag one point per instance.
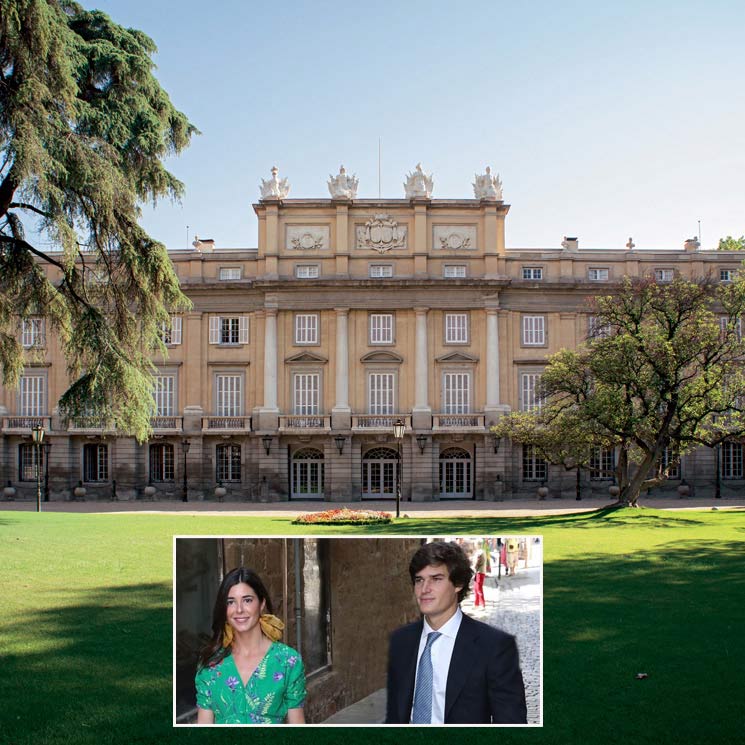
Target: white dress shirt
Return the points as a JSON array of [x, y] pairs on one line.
[[442, 653]]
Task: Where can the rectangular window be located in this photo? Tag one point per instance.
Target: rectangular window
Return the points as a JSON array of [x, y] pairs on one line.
[[665, 460], [727, 275], [307, 271], [456, 393], [228, 461], [380, 393], [170, 332], [229, 330], [727, 325], [164, 393], [229, 395], [534, 331], [305, 394], [731, 460], [32, 395], [596, 329], [380, 270], [598, 274], [530, 398], [228, 273], [381, 328], [602, 464], [306, 328], [95, 462], [454, 271], [27, 461], [161, 462], [534, 467], [534, 273], [664, 275], [32, 333], [456, 328]]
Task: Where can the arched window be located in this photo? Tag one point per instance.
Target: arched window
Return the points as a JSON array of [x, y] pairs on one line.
[[379, 473], [455, 474], [307, 473]]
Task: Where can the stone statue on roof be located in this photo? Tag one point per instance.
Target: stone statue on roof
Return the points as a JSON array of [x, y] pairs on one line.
[[486, 186], [274, 188], [343, 186], [418, 183]]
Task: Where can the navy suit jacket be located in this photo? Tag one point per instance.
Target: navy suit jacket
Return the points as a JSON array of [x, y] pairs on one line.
[[484, 683]]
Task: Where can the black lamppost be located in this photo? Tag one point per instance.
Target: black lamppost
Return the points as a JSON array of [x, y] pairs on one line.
[[37, 435], [47, 448], [339, 440], [398, 433], [185, 445]]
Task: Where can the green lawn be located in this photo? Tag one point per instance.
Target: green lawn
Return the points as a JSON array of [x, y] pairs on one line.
[[85, 627]]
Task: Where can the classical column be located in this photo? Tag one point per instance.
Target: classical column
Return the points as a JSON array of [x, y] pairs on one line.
[[269, 411], [341, 413], [422, 413], [493, 408]]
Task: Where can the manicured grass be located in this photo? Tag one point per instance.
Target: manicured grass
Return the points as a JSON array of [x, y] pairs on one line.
[[85, 627]]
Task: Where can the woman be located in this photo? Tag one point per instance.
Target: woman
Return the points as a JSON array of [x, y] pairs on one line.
[[245, 674]]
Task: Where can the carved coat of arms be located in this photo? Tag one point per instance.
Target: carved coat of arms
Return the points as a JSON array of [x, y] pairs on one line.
[[381, 233]]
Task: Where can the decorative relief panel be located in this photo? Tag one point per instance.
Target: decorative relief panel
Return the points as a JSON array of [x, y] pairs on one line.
[[307, 237], [454, 237], [381, 234]]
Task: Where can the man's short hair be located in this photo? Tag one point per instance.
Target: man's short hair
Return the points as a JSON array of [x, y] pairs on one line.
[[450, 554]]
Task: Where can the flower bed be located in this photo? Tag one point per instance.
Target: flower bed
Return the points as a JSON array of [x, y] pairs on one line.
[[343, 517]]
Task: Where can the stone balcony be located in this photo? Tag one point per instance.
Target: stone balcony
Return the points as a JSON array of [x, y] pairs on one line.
[[22, 425], [226, 424], [164, 425], [90, 425], [378, 422], [458, 423], [305, 424]]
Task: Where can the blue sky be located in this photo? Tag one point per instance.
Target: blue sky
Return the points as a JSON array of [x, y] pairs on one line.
[[604, 121]]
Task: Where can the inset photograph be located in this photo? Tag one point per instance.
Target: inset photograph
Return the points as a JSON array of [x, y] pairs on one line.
[[358, 631]]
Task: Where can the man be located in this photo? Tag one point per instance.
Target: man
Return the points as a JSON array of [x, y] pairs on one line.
[[449, 668]]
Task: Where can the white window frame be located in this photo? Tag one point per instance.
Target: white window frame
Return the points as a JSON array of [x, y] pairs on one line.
[[727, 275], [233, 334], [533, 331], [229, 394], [598, 274], [665, 457], [530, 400], [381, 328], [306, 393], [307, 271], [454, 271], [456, 327], [533, 467], [306, 329], [166, 461], [724, 326], [602, 464], [380, 271], [32, 332], [731, 460], [101, 465], [664, 274], [232, 477], [229, 273], [533, 273], [457, 386], [597, 330], [165, 394], [170, 332], [32, 394], [381, 392]]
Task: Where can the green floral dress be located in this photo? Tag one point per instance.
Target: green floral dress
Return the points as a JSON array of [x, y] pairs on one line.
[[276, 685]]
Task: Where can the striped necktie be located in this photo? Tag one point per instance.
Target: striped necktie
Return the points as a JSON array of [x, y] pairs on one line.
[[422, 713]]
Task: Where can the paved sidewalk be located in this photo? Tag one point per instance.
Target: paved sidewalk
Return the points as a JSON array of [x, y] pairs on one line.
[[514, 606], [454, 508]]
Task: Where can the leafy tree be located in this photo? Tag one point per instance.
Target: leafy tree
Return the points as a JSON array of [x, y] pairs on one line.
[[84, 127], [731, 244], [668, 375]]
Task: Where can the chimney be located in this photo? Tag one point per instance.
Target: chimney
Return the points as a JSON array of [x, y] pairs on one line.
[[570, 243], [692, 244]]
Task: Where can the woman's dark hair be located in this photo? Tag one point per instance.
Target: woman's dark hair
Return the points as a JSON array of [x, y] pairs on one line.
[[449, 554], [214, 651]]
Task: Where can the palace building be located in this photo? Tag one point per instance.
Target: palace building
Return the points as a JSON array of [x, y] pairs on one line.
[[286, 378]]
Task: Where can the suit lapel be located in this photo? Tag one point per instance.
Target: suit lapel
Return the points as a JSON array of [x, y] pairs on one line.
[[408, 667], [465, 654]]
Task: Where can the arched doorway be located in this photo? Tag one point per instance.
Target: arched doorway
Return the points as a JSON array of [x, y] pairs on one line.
[[307, 474], [456, 480], [379, 473]]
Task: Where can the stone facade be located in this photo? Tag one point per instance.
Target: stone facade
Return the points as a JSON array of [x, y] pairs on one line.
[[352, 575], [297, 358]]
